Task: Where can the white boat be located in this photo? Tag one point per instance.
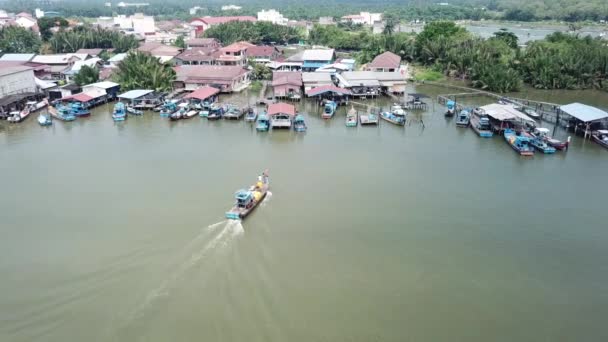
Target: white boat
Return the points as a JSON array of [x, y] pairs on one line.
[[35, 106], [15, 117]]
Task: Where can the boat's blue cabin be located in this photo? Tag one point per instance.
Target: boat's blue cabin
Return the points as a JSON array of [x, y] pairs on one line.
[[243, 198], [451, 104], [299, 119]]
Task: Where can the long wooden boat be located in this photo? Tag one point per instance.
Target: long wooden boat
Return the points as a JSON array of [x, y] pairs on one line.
[[352, 118], [263, 123], [233, 113], [251, 115], [600, 137], [190, 114], [134, 111], [481, 126], [519, 143], [120, 113], [248, 199], [541, 145]]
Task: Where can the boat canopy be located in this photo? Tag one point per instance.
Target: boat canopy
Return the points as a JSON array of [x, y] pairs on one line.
[[505, 112], [243, 195], [543, 130], [451, 103]]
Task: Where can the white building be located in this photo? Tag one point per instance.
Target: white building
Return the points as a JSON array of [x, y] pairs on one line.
[[194, 9], [363, 18], [16, 79], [132, 4], [231, 8], [272, 16], [39, 13], [138, 23]]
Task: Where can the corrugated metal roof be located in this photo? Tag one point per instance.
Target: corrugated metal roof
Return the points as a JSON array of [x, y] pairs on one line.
[[584, 112], [328, 89], [318, 55], [14, 70], [316, 77], [17, 57], [134, 94], [103, 85], [505, 112]]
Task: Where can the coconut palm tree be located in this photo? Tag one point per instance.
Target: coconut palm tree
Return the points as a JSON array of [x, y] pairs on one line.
[[143, 71]]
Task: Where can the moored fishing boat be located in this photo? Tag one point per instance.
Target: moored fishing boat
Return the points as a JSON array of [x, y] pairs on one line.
[[600, 137], [35, 106], [351, 118], [19, 116], [329, 109], [134, 111], [120, 113], [177, 115], [481, 125], [233, 113], [531, 113], [251, 115], [299, 125], [190, 114], [61, 113], [396, 116], [519, 143], [262, 123], [464, 118], [45, 119], [168, 109], [248, 199], [541, 145], [451, 108], [544, 133], [77, 109], [216, 113]]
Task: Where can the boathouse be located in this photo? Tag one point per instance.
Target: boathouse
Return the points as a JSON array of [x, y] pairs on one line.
[[330, 92], [505, 116], [142, 98], [202, 94], [226, 78], [287, 84], [281, 115], [584, 118], [110, 89], [360, 83]]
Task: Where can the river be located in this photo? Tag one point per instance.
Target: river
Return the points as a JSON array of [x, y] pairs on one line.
[[115, 232]]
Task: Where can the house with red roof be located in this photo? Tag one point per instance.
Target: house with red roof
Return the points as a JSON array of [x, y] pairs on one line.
[[385, 62], [234, 54], [263, 53], [225, 78], [201, 24], [287, 84]]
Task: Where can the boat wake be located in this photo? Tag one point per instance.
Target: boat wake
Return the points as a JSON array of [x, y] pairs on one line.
[[211, 240], [266, 199]]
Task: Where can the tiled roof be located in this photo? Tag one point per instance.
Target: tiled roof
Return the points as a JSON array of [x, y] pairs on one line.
[[287, 77], [386, 60], [236, 47], [327, 89], [261, 51], [223, 20], [92, 52], [202, 41], [216, 72], [281, 108], [203, 93], [13, 69], [158, 49], [197, 54]]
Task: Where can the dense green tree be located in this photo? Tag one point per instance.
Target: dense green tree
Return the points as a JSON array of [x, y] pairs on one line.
[[143, 71], [86, 75], [45, 24], [180, 43], [261, 32], [87, 37], [15, 39], [508, 37]]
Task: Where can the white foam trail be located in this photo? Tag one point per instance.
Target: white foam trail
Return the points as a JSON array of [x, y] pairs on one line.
[[229, 230], [212, 227]]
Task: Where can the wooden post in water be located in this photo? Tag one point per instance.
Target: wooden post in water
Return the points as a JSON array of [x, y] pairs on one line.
[[556, 120]]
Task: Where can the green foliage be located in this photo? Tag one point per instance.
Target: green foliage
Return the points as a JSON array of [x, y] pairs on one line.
[[143, 71], [257, 33], [180, 43], [261, 72], [86, 75], [85, 37], [428, 75], [105, 55], [508, 37], [434, 39], [256, 86], [15, 39], [45, 24], [563, 61]]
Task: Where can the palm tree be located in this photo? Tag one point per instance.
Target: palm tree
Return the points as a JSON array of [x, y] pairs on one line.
[[143, 71]]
